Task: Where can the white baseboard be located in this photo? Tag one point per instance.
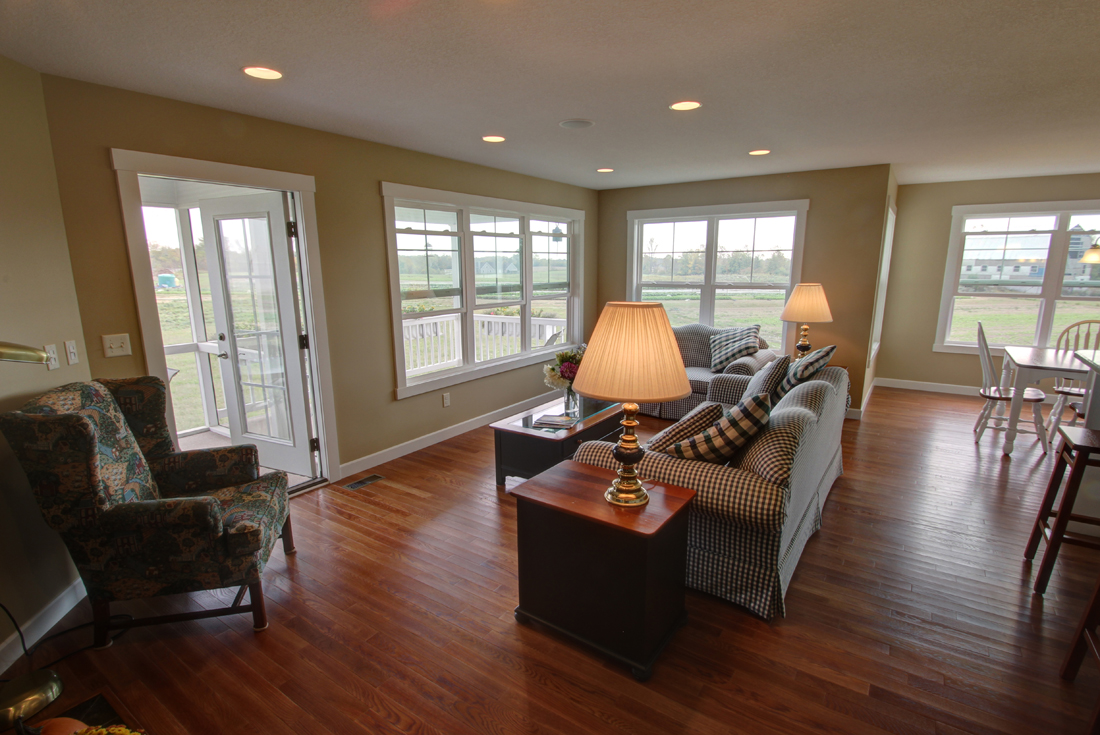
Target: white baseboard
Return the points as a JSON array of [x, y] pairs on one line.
[[854, 413], [372, 460], [39, 625], [958, 390]]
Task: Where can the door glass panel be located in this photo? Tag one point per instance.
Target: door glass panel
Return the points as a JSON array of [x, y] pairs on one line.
[[162, 235], [202, 267], [254, 319], [186, 393]]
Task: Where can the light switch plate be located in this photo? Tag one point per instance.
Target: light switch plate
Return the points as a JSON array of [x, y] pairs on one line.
[[51, 350], [116, 345], [70, 351]]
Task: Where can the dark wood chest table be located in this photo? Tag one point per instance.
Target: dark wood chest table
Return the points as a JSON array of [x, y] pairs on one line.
[[608, 576], [524, 451]]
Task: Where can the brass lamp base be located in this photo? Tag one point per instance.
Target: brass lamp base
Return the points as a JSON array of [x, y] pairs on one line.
[[803, 346], [26, 695], [627, 489]]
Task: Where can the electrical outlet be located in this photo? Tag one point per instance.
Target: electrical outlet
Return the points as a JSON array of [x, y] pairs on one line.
[[70, 351], [116, 345], [446, 400], [51, 350]]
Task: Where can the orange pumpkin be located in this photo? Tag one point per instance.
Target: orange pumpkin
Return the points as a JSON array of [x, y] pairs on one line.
[[61, 726]]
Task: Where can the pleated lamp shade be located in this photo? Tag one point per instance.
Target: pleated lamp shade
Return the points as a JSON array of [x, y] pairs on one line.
[[633, 356], [807, 304]]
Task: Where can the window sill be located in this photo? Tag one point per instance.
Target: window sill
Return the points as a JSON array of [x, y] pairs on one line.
[[474, 372], [963, 349]]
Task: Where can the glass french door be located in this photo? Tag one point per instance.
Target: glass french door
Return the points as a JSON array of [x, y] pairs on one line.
[[255, 305]]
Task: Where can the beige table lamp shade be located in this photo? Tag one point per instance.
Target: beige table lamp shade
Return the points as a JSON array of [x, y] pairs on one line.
[[807, 304], [633, 356]]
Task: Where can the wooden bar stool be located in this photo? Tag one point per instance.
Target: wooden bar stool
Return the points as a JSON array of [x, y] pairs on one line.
[[1085, 640], [1078, 446]]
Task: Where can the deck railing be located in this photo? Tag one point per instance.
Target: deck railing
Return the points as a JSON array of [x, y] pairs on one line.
[[435, 343]]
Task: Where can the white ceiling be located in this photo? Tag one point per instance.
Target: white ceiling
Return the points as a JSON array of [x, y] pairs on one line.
[[947, 90]]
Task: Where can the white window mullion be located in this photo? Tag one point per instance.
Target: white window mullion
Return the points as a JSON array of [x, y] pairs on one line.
[[1052, 279], [469, 287], [710, 265], [528, 276]]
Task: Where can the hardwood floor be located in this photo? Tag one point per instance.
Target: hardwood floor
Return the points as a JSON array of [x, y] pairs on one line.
[[910, 612]]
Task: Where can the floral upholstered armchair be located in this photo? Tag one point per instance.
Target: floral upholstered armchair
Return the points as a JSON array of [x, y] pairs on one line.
[[139, 518]]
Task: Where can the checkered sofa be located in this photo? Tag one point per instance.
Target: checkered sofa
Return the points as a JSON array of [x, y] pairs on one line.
[[694, 343], [746, 533]]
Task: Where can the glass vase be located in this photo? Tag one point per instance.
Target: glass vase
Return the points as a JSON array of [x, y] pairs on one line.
[[572, 403]]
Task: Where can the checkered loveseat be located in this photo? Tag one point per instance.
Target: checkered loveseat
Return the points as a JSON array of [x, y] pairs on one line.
[[747, 531], [694, 343]]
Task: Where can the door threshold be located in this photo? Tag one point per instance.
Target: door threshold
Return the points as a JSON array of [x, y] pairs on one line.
[[303, 487]]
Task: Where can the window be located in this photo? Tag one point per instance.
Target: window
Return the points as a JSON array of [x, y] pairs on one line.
[[478, 285], [724, 266], [1029, 284]]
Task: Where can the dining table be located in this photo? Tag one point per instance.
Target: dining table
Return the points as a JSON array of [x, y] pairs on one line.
[[1026, 365]]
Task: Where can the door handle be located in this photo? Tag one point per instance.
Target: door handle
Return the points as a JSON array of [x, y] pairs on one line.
[[223, 355]]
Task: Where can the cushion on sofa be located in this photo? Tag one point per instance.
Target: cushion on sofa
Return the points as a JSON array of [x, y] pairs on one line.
[[699, 378], [771, 453], [768, 378], [802, 370], [722, 440], [732, 344], [699, 419]]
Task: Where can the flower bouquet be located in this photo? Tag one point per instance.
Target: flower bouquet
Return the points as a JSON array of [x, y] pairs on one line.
[[560, 375]]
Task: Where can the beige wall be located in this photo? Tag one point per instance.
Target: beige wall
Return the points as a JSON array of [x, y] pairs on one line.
[[87, 120], [920, 256], [38, 306], [843, 238]]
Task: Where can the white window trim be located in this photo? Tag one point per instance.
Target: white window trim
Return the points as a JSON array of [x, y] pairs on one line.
[[452, 200], [636, 218], [1055, 268]]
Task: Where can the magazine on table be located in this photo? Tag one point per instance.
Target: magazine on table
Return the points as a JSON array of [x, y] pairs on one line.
[[555, 421]]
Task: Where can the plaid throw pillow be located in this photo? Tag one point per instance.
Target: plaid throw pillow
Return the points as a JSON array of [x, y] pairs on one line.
[[720, 442], [806, 368], [698, 420], [732, 344], [768, 378]]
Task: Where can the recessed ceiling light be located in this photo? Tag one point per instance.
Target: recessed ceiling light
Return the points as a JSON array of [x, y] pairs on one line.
[[759, 152], [604, 170], [262, 72], [685, 105], [576, 124], [493, 138]]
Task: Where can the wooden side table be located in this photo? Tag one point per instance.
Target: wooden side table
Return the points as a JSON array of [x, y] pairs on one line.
[[607, 576], [524, 451]]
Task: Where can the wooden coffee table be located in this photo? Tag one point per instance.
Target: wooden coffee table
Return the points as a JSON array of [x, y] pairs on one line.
[[607, 576], [524, 451]]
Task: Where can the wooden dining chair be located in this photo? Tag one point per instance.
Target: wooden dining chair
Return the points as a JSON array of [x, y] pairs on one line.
[[994, 394], [1083, 335]]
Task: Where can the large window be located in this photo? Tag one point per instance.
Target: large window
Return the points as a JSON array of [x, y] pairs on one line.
[[478, 285], [1015, 268], [724, 266]]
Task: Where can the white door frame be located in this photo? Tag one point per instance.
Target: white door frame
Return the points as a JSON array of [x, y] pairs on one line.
[[128, 165]]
